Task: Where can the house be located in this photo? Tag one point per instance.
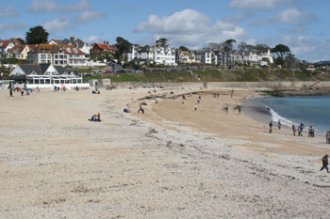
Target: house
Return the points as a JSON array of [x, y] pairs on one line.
[[101, 51], [139, 53], [253, 57], [207, 56], [152, 54], [45, 76], [5, 45], [56, 55], [18, 52], [185, 56], [77, 43], [162, 55]]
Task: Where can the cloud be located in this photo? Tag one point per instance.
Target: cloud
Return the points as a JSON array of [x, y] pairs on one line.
[[308, 48], [293, 16], [7, 11], [52, 6], [92, 39], [256, 4], [87, 16], [190, 28], [59, 24], [9, 27]]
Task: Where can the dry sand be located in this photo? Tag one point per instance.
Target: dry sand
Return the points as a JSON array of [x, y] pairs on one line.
[[171, 162]]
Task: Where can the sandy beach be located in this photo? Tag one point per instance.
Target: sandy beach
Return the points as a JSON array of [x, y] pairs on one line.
[[170, 162]]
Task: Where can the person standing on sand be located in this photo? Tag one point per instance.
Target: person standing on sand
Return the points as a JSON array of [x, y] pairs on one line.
[[294, 129], [325, 163], [279, 124], [270, 126], [195, 107]]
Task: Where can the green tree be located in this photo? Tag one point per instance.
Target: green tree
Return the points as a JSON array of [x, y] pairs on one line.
[[228, 47], [162, 42], [280, 51], [183, 48], [122, 46], [36, 35]]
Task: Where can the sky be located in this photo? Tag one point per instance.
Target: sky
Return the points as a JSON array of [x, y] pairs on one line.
[[303, 25]]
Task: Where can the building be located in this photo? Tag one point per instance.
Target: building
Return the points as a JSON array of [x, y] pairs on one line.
[[57, 55], [252, 57], [18, 52], [45, 76], [152, 54], [207, 56], [185, 56], [102, 51]]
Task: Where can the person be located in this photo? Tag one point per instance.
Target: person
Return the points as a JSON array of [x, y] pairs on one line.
[[294, 129], [300, 129], [126, 109], [95, 118], [226, 109], [325, 163], [310, 132], [279, 124], [183, 98], [10, 87], [141, 109], [195, 107], [270, 127]]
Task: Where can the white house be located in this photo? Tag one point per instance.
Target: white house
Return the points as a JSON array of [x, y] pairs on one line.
[[207, 56], [252, 57], [152, 54], [185, 56]]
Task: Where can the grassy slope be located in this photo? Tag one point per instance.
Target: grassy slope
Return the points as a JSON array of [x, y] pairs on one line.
[[214, 75]]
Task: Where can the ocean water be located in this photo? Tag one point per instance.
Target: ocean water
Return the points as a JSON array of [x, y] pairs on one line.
[[311, 110]]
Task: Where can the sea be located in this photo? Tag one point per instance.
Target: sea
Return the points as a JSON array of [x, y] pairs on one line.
[[309, 110]]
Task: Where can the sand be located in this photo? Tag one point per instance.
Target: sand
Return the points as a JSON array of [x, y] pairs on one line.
[[170, 162]]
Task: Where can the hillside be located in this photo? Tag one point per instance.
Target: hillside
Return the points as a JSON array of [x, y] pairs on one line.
[[215, 76]]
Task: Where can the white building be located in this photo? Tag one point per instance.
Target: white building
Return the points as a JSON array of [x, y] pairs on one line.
[[253, 57], [152, 54], [207, 56], [46, 76], [185, 56]]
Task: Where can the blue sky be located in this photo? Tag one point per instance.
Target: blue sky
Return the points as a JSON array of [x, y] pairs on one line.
[[303, 25]]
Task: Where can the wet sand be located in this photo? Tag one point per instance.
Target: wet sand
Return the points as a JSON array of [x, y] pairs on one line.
[[171, 162]]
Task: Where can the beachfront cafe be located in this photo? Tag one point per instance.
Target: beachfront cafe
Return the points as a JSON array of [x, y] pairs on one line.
[[45, 76]]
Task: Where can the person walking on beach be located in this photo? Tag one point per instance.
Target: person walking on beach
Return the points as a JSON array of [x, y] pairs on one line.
[[300, 129], [294, 129], [325, 162], [195, 107], [279, 124], [270, 126]]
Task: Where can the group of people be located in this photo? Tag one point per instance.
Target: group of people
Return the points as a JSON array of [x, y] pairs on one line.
[[279, 125], [299, 129]]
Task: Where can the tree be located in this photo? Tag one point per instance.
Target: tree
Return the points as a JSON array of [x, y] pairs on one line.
[[183, 48], [122, 46], [36, 35], [262, 48], [162, 42], [228, 47], [280, 51], [21, 41]]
